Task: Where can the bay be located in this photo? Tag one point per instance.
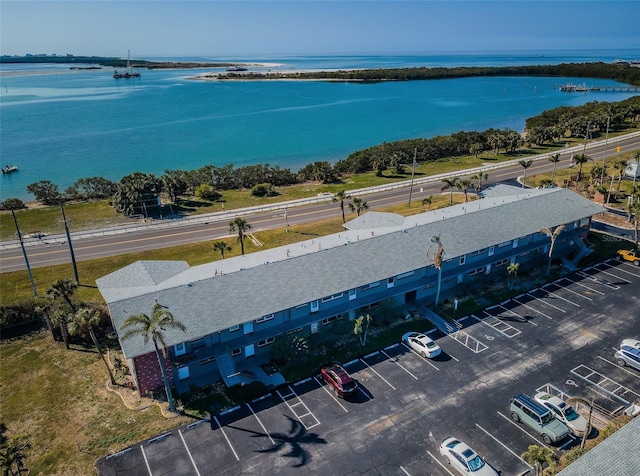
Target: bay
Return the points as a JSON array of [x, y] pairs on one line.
[[62, 125]]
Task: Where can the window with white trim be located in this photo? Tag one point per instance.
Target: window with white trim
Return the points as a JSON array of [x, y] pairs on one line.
[[369, 286], [505, 243], [463, 259], [502, 262], [479, 252], [267, 341], [331, 319], [476, 271], [492, 250], [315, 306], [405, 275], [390, 282], [236, 352], [332, 297], [352, 294], [266, 318], [179, 349], [234, 328]]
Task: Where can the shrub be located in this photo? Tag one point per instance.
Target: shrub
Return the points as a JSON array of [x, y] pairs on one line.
[[246, 393], [206, 192], [264, 190]]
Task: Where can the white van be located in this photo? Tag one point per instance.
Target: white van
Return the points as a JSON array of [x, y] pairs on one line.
[[632, 170]]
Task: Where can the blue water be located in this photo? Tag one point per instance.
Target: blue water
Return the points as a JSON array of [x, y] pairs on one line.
[[63, 125]]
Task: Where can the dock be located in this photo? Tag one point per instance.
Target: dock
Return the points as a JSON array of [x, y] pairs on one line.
[[583, 88]]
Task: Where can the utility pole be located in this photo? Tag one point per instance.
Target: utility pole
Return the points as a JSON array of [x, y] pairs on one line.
[[73, 257], [604, 159], [413, 172], [24, 253]]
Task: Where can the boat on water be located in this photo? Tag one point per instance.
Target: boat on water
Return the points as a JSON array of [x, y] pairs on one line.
[[236, 68], [9, 169], [128, 73]]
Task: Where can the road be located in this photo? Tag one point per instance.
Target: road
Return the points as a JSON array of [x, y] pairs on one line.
[[54, 250]]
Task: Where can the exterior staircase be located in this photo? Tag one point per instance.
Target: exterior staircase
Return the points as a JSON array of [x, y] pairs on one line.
[[228, 371], [584, 249], [442, 324]]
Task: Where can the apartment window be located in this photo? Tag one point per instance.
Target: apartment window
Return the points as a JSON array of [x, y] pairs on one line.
[[179, 349], [504, 243], [266, 318], [405, 275], [390, 282], [370, 285], [515, 243], [236, 352], [267, 341], [492, 250], [479, 252], [183, 372], [234, 328], [315, 306], [294, 331], [352, 294], [197, 345], [502, 262], [463, 259], [300, 306], [329, 320], [476, 271], [332, 297]]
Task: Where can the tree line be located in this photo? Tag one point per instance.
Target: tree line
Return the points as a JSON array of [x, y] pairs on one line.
[[620, 72], [138, 193]]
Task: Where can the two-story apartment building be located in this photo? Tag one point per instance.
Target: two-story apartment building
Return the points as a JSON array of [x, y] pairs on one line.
[[233, 309]]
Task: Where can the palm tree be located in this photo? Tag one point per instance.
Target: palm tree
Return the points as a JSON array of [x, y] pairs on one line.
[[554, 158], [449, 184], [437, 262], [476, 148], [525, 165], [361, 328], [12, 455], [44, 310], [63, 289], [241, 227], [465, 185], [358, 205], [537, 456], [480, 177], [60, 318], [83, 322], [620, 166], [341, 196], [634, 217], [153, 327], [636, 157], [553, 235], [512, 270], [222, 247], [580, 159], [427, 201]]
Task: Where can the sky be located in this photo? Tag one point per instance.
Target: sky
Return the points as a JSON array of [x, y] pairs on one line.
[[157, 28]]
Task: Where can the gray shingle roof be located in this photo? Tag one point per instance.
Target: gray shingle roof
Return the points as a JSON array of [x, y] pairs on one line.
[[215, 296], [618, 455]]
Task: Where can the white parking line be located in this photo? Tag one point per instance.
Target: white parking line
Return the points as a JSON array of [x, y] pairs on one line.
[[146, 461], [583, 286], [330, 394], [546, 303], [596, 279], [634, 374], [395, 361], [227, 438], [293, 408], [188, 452], [568, 289], [551, 293], [614, 275], [263, 427], [405, 471], [505, 446], [532, 308], [441, 465], [522, 429], [518, 315], [417, 355], [618, 268], [374, 371], [495, 322]]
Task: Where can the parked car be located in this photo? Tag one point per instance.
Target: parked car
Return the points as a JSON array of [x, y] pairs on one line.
[[466, 461], [339, 380], [629, 353], [539, 418], [629, 255], [563, 412], [421, 344]]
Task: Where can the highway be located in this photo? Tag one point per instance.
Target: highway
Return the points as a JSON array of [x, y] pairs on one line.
[[54, 250]]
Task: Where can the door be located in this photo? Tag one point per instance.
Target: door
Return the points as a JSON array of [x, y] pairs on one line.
[[247, 328], [249, 350]]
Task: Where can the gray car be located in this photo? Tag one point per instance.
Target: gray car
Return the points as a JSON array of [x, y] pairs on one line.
[[629, 353]]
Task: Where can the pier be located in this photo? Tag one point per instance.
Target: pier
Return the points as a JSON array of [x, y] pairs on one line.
[[583, 88]]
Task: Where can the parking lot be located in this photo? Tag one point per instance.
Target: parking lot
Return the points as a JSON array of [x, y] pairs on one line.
[[559, 338]]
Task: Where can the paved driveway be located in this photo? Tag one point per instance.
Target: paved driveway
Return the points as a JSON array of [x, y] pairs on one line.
[[558, 338]]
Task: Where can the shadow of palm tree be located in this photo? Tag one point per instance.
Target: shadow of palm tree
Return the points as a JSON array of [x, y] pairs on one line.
[[295, 439]]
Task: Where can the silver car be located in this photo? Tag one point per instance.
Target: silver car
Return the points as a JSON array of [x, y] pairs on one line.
[[563, 412], [629, 353]]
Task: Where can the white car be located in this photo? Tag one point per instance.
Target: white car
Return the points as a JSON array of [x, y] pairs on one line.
[[464, 459], [563, 412], [421, 344]]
